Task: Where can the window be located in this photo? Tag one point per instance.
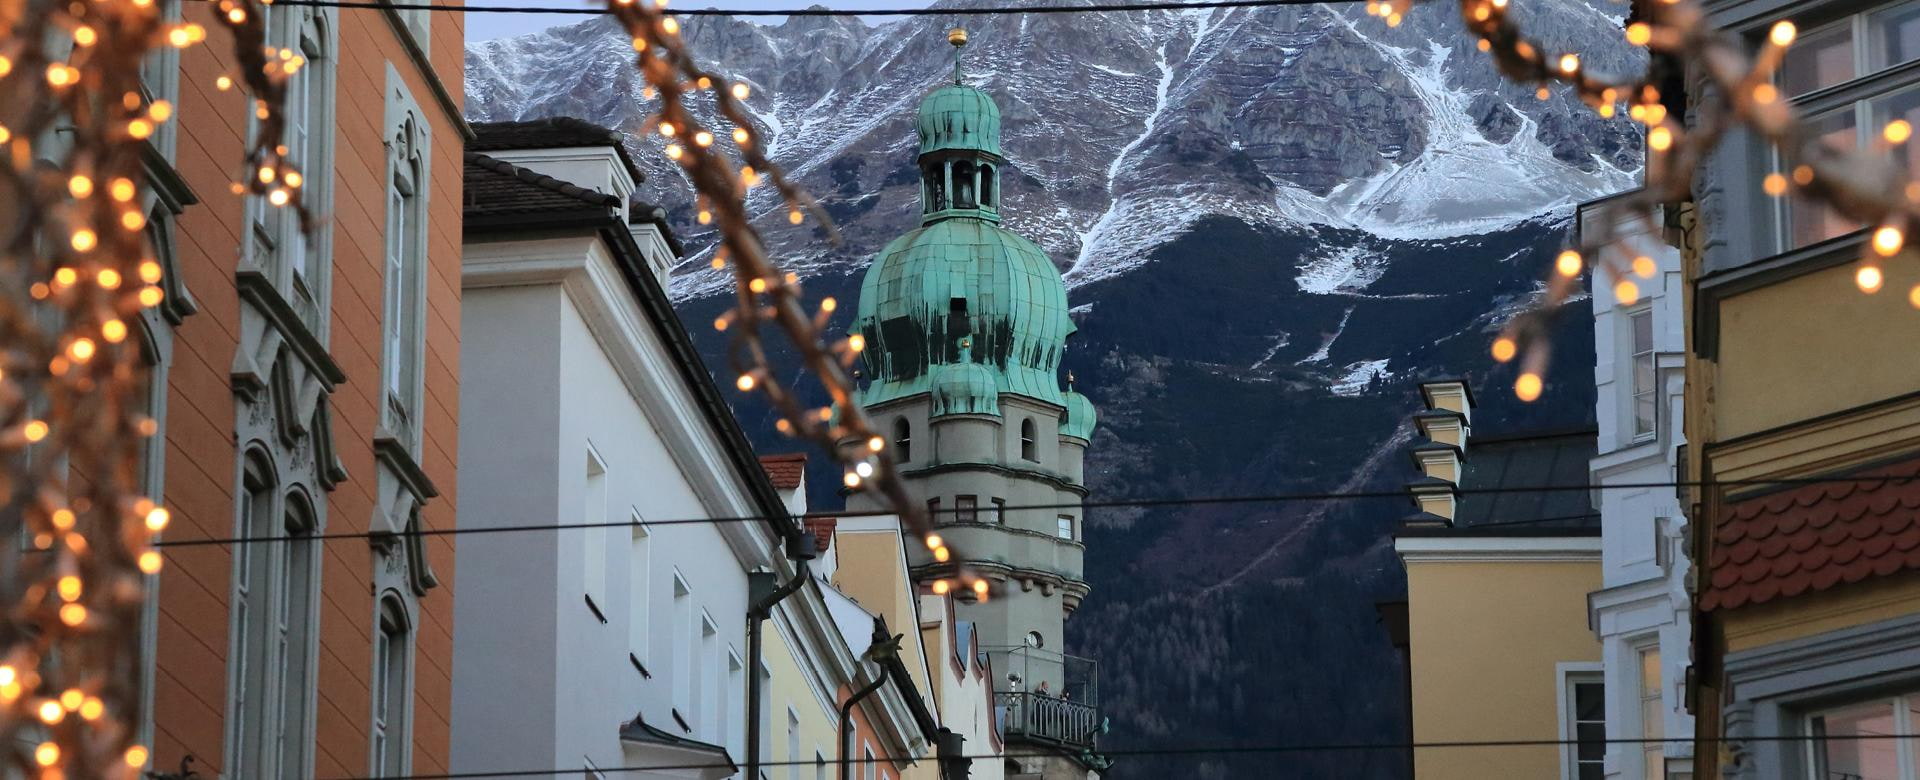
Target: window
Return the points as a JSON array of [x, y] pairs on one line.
[[902, 440], [1837, 750], [819, 765], [793, 744], [392, 690], [707, 675], [1583, 722], [298, 263], [965, 509], [1846, 56], [593, 537], [639, 589], [273, 633], [1653, 711], [684, 649], [1028, 447], [731, 689], [933, 510], [872, 766], [1066, 526], [997, 514], [593, 772], [1645, 395], [404, 299]]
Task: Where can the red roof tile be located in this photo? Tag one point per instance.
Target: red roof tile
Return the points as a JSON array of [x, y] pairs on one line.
[[785, 469], [822, 528], [1815, 537]]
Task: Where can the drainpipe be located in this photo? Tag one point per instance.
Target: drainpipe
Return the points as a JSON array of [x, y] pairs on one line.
[[800, 547], [882, 648]]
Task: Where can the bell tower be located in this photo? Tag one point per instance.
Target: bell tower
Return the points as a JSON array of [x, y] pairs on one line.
[[966, 324]]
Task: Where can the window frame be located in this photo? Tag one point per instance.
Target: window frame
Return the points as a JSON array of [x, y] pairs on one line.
[[1906, 718], [639, 588], [593, 533], [273, 617], [406, 194], [390, 695], [1855, 95], [902, 441], [1634, 354], [298, 265], [1029, 440], [966, 509], [1571, 676], [1067, 528], [1652, 752]]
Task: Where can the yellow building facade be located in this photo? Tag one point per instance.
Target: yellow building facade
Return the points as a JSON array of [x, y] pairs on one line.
[[1498, 644]]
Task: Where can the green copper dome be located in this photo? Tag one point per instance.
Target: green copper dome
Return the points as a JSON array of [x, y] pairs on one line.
[[965, 388], [1079, 419], [957, 116], [963, 277]]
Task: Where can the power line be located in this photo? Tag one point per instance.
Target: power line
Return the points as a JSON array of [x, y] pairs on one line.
[[1146, 503], [1002, 10], [1173, 751]]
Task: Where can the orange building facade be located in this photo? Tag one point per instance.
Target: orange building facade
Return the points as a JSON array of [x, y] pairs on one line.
[[308, 383]]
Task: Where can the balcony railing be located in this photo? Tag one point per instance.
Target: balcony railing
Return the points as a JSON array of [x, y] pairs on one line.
[[1038, 716]]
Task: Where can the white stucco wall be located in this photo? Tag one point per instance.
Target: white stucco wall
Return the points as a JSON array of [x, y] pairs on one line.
[[1643, 603], [557, 363]]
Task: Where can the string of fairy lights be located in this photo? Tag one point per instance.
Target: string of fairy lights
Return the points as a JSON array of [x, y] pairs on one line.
[[76, 266], [1857, 184]]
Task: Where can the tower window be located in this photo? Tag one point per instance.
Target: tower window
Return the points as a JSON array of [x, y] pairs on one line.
[[987, 199], [966, 509], [998, 514], [964, 184], [933, 509], [902, 440], [1028, 445], [1066, 527]]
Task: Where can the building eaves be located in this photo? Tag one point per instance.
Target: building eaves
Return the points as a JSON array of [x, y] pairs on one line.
[[552, 133], [497, 193]]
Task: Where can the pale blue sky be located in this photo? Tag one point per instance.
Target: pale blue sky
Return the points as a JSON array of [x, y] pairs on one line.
[[487, 26]]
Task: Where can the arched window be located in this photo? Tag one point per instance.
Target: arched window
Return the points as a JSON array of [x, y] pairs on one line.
[[274, 588], [987, 200], [902, 440], [1028, 445], [391, 729]]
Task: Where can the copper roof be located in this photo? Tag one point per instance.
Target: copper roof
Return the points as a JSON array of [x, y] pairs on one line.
[[1815, 537], [785, 469]]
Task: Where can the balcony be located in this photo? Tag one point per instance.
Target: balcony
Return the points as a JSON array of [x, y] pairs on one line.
[[1046, 697]]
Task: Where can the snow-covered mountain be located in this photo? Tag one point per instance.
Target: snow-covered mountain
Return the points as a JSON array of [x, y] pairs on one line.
[[1124, 129], [1273, 221]]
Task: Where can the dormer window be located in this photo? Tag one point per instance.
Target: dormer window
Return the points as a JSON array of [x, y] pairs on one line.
[[1028, 446]]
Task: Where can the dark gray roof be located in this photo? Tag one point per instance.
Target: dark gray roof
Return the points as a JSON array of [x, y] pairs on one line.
[[1556, 458], [551, 133]]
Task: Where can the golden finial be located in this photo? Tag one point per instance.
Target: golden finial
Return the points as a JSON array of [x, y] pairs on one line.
[[957, 36]]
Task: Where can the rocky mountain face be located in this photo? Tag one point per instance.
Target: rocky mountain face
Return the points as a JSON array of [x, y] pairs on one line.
[[1272, 222]]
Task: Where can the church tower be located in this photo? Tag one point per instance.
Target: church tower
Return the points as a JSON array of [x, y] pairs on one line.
[[965, 324]]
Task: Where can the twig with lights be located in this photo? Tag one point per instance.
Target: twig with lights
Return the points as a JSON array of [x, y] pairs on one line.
[[765, 295], [76, 271], [1856, 184]]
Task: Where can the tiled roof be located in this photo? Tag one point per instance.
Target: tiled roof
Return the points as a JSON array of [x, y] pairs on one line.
[[785, 469], [551, 133], [822, 528], [1557, 458], [495, 188], [1815, 537]]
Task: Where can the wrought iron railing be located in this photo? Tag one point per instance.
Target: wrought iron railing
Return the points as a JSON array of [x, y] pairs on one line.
[[1043, 717]]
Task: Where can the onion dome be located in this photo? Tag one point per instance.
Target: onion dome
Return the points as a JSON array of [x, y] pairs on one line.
[[1079, 419], [965, 387], [963, 277], [959, 117]]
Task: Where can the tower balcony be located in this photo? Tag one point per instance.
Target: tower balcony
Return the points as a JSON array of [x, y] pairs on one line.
[[1045, 697]]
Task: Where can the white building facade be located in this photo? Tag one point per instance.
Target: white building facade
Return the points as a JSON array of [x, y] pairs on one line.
[[600, 648], [1641, 614]]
